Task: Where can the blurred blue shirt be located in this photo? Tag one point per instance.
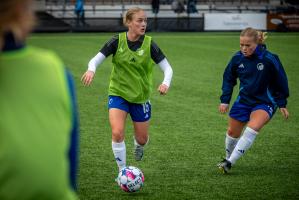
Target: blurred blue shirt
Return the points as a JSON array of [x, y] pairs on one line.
[[79, 7]]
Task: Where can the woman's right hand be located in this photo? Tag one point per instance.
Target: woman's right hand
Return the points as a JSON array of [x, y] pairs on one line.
[[284, 112], [87, 78], [223, 108]]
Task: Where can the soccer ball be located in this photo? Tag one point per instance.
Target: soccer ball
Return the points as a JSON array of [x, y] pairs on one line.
[[130, 179]]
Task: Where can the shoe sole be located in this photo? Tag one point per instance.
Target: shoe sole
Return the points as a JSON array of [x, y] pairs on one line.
[[138, 159]]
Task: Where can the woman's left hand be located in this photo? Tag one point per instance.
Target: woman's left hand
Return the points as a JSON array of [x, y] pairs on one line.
[[284, 112], [163, 89]]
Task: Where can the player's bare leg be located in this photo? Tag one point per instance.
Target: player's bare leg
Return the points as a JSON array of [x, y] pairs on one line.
[[117, 120], [257, 120], [140, 139], [234, 131]]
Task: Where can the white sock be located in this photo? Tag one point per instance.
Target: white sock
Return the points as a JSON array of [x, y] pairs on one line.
[[137, 144], [230, 144], [119, 151], [243, 144]]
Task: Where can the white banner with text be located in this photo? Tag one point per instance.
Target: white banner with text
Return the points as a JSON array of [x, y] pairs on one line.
[[234, 21]]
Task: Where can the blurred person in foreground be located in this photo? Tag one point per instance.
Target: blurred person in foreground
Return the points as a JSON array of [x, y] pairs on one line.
[[38, 123]]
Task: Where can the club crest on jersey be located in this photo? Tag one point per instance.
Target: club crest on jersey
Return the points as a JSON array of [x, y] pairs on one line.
[[140, 52], [241, 66], [260, 66]]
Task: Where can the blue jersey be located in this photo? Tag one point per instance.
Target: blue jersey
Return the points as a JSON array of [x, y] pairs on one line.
[[262, 79]]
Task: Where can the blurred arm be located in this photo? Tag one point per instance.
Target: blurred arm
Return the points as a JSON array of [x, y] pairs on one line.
[[74, 135]]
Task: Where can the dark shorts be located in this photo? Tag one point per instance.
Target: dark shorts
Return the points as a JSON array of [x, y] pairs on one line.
[[241, 112], [138, 112]]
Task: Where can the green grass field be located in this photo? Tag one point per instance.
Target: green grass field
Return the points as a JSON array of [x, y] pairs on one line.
[[187, 132]]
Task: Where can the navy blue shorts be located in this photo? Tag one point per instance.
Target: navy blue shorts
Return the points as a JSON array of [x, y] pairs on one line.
[[138, 112], [241, 112]]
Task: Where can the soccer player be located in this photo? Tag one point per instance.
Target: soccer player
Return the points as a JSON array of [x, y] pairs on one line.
[[134, 56], [263, 88], [38, 123]]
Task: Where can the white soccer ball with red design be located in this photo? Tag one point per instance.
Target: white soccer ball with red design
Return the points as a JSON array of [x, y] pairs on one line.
[[130, 179]]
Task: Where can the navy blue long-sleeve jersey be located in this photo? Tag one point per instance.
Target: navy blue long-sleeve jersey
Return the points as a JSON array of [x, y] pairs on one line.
[[262, 79]]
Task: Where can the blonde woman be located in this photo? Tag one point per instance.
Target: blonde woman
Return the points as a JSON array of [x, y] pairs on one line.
[[38, 129], [134, 56], [263, 88]]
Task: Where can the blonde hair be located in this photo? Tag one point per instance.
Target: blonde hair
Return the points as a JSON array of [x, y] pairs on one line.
[[258, 36], [129, 15], [11, 20]]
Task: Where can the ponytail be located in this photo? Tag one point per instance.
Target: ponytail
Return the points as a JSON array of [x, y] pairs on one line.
[[262, 36]]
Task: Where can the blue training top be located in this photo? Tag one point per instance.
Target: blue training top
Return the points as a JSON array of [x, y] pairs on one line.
[[262, 79]]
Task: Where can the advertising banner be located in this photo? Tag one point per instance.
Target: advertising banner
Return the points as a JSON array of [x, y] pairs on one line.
[[234, 21], [283, 22]]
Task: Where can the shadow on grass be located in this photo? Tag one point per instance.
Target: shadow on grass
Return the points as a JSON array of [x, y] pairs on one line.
[[136, 194]]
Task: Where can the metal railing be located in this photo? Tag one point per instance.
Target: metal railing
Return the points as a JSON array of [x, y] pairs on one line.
[[163, 2]]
